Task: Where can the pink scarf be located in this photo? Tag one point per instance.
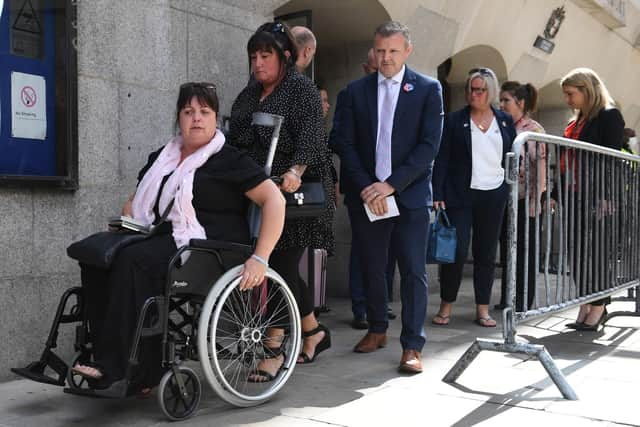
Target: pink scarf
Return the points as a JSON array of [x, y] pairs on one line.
[[179, 187]]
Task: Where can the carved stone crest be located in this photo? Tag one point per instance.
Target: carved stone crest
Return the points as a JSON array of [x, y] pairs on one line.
[[554, 22]]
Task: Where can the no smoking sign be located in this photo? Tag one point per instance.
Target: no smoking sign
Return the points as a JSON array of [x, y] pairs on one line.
[[28, 106], [28, 96]]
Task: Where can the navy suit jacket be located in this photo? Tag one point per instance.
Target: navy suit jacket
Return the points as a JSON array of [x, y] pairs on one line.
[[452, 170], [415, 138]]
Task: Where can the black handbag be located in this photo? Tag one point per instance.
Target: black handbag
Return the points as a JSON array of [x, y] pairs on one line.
[[308, 201], [100, 249], [442, 240]]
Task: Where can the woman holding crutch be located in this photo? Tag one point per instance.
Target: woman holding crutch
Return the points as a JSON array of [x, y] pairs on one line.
[[277, 88]]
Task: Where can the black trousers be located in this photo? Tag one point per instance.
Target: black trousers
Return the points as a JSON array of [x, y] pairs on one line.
[[113, 301], [530, 255], [286, 263], [484, 216]]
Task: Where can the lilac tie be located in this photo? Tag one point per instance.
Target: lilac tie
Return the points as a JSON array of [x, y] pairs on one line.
[[383, 147]]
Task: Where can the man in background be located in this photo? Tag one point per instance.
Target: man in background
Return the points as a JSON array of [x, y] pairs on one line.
[[306, 44]]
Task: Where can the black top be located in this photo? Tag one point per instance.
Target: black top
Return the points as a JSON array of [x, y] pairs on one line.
[[605, 129], [302, 141], [218, 192]]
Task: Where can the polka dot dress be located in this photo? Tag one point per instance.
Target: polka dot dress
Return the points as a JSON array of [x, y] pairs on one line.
[[302, 141]]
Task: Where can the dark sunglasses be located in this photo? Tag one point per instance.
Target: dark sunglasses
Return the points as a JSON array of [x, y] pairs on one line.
[[483, 71], [200, 85]]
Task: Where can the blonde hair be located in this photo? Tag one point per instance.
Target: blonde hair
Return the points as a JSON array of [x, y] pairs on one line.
[[490, 82], [591, 86]]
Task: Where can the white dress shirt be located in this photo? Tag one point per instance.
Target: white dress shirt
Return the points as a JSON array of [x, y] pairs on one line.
[[395, 92]]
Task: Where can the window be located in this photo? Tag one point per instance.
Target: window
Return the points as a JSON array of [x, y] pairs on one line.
[[38, 93]]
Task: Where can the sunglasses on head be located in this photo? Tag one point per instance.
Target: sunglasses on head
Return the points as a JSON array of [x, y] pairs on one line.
[[276, 28], [483, 71], [200, 85]]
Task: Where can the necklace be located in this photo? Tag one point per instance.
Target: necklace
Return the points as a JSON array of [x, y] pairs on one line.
[[481, 123]]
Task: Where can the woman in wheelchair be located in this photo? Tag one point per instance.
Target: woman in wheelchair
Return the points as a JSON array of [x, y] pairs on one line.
[[202, 183]]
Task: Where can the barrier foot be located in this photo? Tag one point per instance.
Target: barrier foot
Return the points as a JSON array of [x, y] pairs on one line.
[[463, 363], [531, 350]]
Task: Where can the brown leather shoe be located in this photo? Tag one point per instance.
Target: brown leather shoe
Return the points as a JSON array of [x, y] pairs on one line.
[[411, 362], [371, 342]]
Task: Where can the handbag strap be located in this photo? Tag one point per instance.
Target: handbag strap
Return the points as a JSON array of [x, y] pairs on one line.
[[163, 217], [440, 213]]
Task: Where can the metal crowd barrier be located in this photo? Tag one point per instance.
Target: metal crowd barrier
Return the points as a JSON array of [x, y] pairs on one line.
[[595, 230]]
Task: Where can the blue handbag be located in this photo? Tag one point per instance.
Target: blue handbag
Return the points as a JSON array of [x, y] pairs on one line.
[[442, 240]]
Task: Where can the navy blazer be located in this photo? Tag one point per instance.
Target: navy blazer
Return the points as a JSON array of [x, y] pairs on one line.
[[452, 170], [415, 138]]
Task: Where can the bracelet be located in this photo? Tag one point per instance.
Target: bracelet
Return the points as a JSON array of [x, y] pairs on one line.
[[260, 260], [293, 171]]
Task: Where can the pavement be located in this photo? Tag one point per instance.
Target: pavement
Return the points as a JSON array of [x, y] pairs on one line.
[[343, 388]]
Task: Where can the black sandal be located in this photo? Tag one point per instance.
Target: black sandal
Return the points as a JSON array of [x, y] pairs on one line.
[[324, 344], [269, 353]]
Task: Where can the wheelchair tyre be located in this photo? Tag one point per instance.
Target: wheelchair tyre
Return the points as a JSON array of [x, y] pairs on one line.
[[232, 337], [174, 404], [75, 381]]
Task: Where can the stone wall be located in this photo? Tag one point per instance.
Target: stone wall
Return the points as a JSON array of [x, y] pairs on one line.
[[132, 56]]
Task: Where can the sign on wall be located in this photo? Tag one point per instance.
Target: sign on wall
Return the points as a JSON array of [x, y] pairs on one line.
[[28, 106]]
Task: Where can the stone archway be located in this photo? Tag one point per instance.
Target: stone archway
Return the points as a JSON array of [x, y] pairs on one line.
[[553, 113], [459, 66], [344, 31]]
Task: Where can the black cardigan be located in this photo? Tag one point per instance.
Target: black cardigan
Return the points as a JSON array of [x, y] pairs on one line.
[[605, 129]]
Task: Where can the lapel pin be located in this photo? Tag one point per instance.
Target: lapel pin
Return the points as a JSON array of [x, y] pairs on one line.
[[504, 124], [408, 87], [466, 125]]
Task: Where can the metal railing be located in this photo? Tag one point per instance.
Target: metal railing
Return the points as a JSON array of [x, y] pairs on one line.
[[592, 217]]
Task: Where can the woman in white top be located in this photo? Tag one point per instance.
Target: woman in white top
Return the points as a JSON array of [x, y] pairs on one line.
[[468, 180]]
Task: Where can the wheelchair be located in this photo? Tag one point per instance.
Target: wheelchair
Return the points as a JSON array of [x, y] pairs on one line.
[[202, 316]]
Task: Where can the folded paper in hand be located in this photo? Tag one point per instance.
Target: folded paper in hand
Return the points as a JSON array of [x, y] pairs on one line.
[[128, 223], [392, 210]]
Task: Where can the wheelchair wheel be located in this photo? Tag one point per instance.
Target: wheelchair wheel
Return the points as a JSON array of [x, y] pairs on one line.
[[232, 336], [175, 404], [75, 381]]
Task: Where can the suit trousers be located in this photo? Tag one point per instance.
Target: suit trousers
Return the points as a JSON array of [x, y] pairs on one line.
[[484, 216], [373, 240], [356, 278]]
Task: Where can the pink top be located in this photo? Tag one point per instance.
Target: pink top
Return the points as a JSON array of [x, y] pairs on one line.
[[527, 124]]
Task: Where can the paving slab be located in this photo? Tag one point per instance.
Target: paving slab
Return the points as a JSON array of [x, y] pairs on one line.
[[343, 388]]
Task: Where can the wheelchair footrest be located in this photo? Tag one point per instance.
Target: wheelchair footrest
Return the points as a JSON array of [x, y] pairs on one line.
[[35, 372], [117, 390]]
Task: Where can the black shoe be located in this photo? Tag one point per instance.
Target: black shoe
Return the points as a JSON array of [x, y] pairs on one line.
[[500, 306], [390, 314], [359, 323], [587, 327], [574, 325]]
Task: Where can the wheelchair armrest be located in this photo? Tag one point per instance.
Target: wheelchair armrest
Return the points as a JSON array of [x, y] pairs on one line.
[[219, 244]]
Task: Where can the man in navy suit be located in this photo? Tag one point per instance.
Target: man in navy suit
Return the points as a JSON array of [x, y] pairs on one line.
[[389, 134]]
